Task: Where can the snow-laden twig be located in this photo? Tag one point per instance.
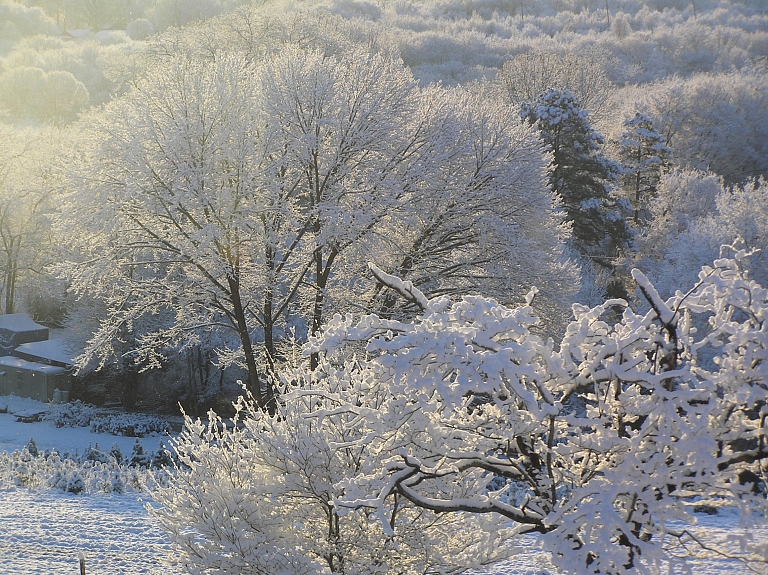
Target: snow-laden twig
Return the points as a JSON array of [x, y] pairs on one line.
[[404, 288]]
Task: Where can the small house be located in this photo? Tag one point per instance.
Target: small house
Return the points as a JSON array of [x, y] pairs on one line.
[[19, 328], [36, 380]]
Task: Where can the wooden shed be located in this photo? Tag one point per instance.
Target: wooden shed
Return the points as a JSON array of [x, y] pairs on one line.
[[29, 379]]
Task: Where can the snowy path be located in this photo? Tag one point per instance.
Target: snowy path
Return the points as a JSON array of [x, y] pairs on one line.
[[43, 532]]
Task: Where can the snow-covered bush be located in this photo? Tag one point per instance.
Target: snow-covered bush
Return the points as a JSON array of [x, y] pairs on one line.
[[129, 424], [72, 414], [93, 472], [258, 497], [694, 216], [93, 453], [79, 414], [139, 457]]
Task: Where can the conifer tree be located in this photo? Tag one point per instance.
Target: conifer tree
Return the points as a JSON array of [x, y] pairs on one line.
[[581, 174], [644, 155]]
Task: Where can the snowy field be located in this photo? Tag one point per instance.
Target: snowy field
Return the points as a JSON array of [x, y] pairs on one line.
[[43, 531]]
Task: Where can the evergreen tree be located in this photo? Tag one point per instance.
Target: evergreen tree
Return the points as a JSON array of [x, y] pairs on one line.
[[32, 447], [117, 453], [581, 174], [140, 458], [644, 155]]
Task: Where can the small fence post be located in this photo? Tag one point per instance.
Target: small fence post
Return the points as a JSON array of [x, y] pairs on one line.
[[82, 563]]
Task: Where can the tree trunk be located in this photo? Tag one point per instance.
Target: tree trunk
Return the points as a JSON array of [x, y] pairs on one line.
[[269, 336], [321, 283], [253, 384], [10, 277]]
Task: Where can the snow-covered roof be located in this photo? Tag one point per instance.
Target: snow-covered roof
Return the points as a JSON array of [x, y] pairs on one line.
[[16, 362], [51, 349], [19, 322]]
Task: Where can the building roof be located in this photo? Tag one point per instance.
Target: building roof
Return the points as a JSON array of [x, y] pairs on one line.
[[19, 322], [51, 349], [9, 361]]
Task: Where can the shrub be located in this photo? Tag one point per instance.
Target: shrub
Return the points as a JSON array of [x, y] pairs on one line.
[[129, 425], [73, 414]]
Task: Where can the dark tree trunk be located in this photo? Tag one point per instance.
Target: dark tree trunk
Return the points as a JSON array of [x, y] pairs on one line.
[[253, 384]]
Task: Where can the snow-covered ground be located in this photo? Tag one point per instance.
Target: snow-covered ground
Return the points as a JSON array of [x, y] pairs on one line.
[[14, 435], [43, 531]]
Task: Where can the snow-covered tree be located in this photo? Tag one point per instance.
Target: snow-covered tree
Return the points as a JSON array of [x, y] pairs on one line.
[[164, 211], [581, 174], [582, 73], [715, 122], [245, 196], [643, 155], [489, 223], [393, 458], [27, 183], [606, 441], [694, 215], [257, 497]]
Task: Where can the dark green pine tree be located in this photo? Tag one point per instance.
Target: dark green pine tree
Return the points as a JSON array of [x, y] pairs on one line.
[[581, 175], [644, 155]]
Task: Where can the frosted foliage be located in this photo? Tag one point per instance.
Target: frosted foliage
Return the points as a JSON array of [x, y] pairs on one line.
[[527, 76], [644, 156], [693, 216], [257, 496], [478, 225], [614, 433], [26, 202], [168, 185], [244, 199], [714, 122]]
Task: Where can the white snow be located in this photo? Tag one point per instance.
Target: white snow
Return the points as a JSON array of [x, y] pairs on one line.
[[12, 361], [44, 532], [14, 435], [19, 322]]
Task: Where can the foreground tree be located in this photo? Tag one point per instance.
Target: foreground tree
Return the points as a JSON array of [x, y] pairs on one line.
[[605, 442], [414, 456], [258, 498]]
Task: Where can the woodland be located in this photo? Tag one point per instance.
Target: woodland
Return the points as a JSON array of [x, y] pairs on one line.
[[476, 268]]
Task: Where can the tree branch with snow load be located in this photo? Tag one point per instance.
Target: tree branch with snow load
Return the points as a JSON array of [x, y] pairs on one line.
[[597, 443]]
